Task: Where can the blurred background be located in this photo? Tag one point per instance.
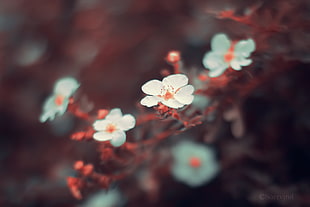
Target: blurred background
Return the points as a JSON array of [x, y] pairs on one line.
[[112, 48]]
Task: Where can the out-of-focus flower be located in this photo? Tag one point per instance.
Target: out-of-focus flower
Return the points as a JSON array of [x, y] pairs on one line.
[[173, 91], [201, 102], [30, 52], [173, 57], [194, 164], [113, 127], [111, 198], [58, 102], [226, 54]]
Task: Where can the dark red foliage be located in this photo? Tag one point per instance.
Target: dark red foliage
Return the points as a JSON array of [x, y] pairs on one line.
[[257, 119]]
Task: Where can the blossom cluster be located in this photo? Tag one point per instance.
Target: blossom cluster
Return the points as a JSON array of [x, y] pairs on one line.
[[173, 99]]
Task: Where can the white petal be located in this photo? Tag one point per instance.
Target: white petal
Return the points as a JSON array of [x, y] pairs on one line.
[[152, 87], [114, 115], [184, 95], [101, 125], [172, 103], [118, 138], [126, 122], [181, 172], [239, 61], [149, 101], [175, 80], [220, 43], [214, 61], [47, 115], [235, 65], [244, 47], [245, 62], [102, 136], [66, 86], [187, 99], [186, 90], [50, 109], [49, 103]]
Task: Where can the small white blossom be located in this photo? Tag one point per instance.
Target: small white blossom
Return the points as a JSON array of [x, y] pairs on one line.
[[194, 164], [173, 91], [57, 103], [113, 127], [226, 54]]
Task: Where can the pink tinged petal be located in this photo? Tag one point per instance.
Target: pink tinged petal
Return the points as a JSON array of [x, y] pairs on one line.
[[126, 122], [214, 61], [245, 47], [149, 101], [102, 136], [176, 80], [152, 87], [118, 138], [172, 103], [114, 115], [220, 43], [100, 125]]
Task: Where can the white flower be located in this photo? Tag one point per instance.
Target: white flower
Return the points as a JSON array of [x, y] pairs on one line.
[[194, 164], [58, 102], [226, 54], [113, 127], [172, 91]]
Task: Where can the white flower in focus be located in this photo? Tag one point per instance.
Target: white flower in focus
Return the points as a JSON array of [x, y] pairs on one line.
[[113, 127], [194, 164], [226, 54], [57, 103], [173, 91], [111, 198]]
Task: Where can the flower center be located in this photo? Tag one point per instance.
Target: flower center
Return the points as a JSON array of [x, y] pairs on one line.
[[194, 162], [59, 99], [229, 55], [110, 128], [168, 95]]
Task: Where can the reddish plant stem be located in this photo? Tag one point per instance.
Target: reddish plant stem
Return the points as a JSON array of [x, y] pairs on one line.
[[74, 109], [176, 67], [145, 118]]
